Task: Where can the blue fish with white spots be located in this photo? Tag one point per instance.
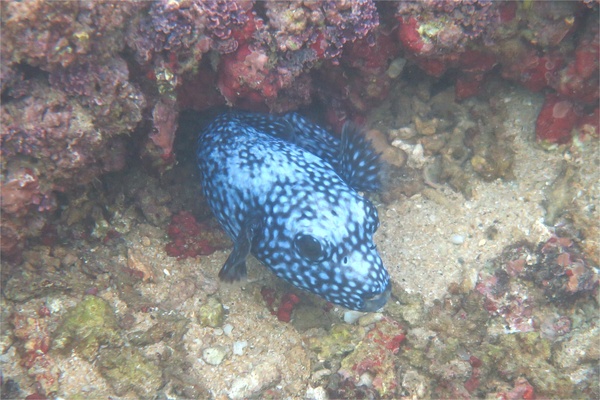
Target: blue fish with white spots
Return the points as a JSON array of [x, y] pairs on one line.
[[286, 191]]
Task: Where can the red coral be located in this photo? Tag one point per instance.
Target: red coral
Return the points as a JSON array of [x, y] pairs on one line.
[[576, 87], [359, 82], [286, 306], [537, 73], [288, 302], [508, 11], [191, 239], [579, 80], [244, 76], [475, 362], [556, 120], [369, 56], [251, 25], [387, 333], [473, 382], [409, 36], [319, 45]]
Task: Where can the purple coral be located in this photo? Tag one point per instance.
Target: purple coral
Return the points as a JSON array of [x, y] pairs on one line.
[[223, 17], [105, 89], [59, 135], [192, 26], [53, 34], [168, 26], [324, 27], [453, 23]]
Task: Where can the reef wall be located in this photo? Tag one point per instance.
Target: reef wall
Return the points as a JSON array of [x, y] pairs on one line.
[[87, 85]]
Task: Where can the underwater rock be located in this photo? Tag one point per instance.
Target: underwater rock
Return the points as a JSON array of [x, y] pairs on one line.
[[214, 355], [125, 369], [211, 313], [32, 332], [374, 355], [27, 284], [580, 350], [87, 326], [340, 340], [254, 383], [167, 328], [78, 78]]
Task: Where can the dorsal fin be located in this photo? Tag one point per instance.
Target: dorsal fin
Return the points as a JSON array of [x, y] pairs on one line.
[[266, 123], [313, 138], [359, 165]]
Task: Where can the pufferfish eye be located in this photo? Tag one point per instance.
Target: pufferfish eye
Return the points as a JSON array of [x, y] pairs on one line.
[[309, 247]]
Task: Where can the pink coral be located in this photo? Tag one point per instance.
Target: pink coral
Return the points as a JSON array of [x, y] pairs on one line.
[[19, 191], [522, 390], [32, 331], [164, 118]]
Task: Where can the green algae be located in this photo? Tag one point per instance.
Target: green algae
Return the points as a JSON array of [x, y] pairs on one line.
[[527, 354], [86, 327], [127, 370], [342, 339], [211, 313]]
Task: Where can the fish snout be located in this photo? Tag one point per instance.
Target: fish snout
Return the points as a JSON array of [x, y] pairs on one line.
[[377, 301]]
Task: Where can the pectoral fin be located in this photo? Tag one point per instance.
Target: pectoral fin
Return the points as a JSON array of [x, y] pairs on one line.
[[234, 268]]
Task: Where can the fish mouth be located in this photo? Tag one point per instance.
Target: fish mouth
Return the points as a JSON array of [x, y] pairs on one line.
[[376, 302]]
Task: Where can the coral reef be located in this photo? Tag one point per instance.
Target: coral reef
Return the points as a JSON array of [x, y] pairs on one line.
[[77, 78], [533, 43], [66, 108]]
